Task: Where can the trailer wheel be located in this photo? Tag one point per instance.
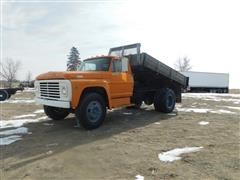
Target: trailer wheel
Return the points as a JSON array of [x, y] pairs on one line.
[[56, 113], [91, 111], [3, 95], [164, 100]]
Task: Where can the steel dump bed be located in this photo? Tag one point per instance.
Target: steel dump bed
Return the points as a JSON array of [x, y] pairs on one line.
[[149, 71], [147, 68]]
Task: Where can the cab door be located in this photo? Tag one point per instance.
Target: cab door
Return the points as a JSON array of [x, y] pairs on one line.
[[121, 84]]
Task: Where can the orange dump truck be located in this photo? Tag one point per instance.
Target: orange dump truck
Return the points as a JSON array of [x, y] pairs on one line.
[[124, 77]]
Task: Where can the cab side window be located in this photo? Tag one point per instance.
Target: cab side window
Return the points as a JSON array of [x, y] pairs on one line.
[[117, 66]]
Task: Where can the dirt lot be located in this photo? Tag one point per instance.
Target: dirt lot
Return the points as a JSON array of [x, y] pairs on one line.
[[127, 144]]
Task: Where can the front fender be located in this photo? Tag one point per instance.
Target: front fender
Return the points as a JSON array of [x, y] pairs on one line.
[[78, 87]]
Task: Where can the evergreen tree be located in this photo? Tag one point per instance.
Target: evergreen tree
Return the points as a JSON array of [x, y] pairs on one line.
[[73, 60]]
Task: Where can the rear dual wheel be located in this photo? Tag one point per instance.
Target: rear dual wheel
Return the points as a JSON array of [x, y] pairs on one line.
[[164, 100]]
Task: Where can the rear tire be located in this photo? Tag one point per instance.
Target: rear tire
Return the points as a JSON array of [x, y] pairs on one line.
[[3, 95], [92, 111], [56, 113], [165, 100]]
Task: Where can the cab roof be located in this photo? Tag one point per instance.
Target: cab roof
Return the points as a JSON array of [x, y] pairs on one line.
[[103, 56]]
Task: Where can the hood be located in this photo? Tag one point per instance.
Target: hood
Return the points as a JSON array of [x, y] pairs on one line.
[[73, 75]]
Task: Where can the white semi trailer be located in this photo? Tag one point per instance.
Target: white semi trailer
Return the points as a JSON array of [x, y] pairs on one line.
[[207, 82]]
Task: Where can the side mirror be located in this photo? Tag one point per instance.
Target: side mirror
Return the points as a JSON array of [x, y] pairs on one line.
[[124, 64]]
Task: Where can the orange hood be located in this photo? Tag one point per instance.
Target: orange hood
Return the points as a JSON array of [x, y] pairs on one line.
[[73, 75]]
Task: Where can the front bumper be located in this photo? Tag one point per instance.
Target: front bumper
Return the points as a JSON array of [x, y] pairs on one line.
[[53, 103]]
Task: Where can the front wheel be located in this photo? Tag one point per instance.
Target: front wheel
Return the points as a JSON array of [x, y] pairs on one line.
[[92, 111], [56, 113]]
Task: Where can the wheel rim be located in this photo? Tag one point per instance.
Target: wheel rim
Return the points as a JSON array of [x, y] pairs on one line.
[[94, 111]]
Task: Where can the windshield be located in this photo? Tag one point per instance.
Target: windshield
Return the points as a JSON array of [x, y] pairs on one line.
[[96, 64]]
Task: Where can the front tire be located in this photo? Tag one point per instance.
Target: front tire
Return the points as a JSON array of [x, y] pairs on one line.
[[56, 113], [165, 100], [92, 111]]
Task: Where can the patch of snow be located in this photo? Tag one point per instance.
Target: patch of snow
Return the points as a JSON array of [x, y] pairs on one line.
[[174, 154], [39, 111], [48, 124], [49, 152], [24, 116], [203, 123], [29, 90], [42, 118], [21, 130], [22, 98], [127, 113], [19, 122], [157, 123], [139, 177], [178, 105], [210, 95], [53, 144], [231, 107], [196, 110], [9, 140], [23, 101], [171, 114], [221, 111], [235, 98]]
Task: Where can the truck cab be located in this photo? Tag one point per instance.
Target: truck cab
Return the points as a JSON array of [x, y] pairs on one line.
[[107, 78]]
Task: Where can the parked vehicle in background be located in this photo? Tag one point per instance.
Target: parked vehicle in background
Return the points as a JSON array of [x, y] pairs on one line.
[[6, 93], [207, 82], [124, 77]]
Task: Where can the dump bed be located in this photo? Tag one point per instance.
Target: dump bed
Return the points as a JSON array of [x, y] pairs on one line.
[[152, 69], [147, 69]]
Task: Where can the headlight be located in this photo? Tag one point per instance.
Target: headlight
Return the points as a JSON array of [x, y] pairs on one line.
[[36, 87], [64, 90]]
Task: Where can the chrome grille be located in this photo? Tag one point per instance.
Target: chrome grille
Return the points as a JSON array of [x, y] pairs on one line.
[[50, 90]]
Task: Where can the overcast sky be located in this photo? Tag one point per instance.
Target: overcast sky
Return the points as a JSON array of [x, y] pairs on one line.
[[41, 33]]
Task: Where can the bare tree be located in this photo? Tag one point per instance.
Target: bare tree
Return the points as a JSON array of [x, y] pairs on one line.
[[183, 64], [29, 77], [9, 69]]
